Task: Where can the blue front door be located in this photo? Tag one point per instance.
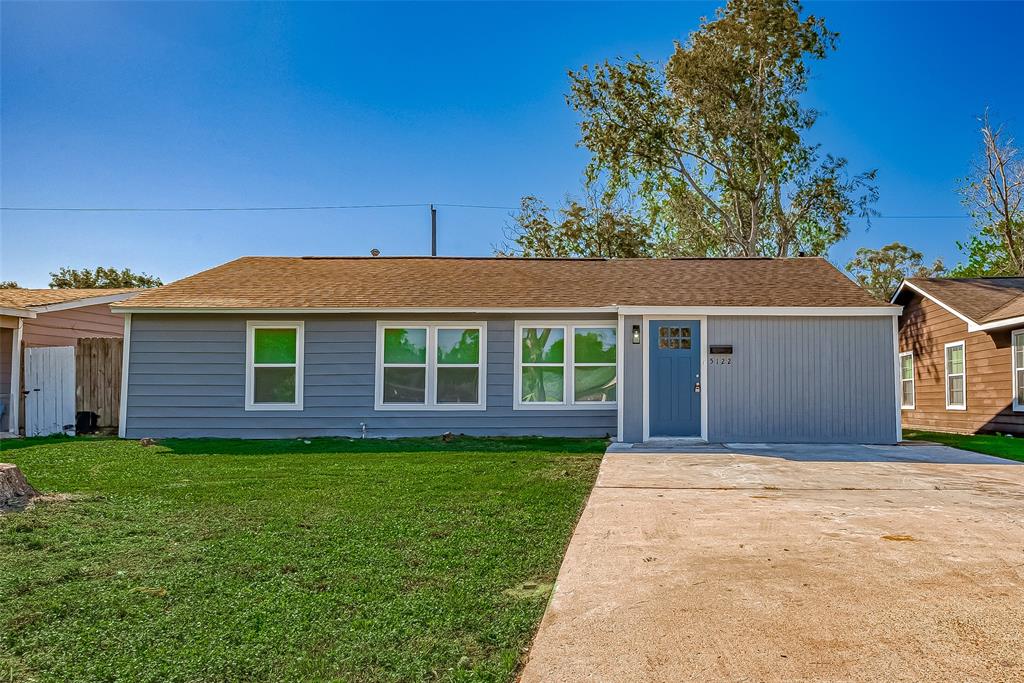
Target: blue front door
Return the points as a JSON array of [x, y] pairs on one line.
[[674, 383]]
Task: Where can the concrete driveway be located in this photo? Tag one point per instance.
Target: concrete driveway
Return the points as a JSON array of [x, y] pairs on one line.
[[802, 563]]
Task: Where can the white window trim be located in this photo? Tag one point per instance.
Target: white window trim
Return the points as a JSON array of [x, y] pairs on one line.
[[1017, 407], [431, 403], [568, 377], [946, 375], [250, 347], [912, 380]]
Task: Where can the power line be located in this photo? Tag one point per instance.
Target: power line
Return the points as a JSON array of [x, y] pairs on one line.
[[168, 209]]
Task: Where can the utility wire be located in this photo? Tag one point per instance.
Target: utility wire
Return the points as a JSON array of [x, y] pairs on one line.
[[338, 207], [331, 207]]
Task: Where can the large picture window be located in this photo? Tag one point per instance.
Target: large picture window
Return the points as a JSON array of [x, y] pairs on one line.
[[956, 376], [431, 366], [907, 380], [274, 354], [566, 365]]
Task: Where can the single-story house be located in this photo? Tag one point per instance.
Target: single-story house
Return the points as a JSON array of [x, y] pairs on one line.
[[962, 354], [49, 319], [739, 349]]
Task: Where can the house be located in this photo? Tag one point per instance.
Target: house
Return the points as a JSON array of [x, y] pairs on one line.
[[747, 349], [962, 354], [32, 320]]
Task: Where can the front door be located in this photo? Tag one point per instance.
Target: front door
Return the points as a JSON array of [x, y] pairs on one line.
[[674, 382]]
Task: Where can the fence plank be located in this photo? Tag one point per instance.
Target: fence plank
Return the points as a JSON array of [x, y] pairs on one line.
[[98, 378]]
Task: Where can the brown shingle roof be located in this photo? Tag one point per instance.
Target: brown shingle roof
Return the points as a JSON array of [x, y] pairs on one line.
[[26, 298], [983, 300], [451, 283]]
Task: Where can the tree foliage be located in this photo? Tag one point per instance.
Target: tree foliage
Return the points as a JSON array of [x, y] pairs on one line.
[[600, 227], [714, 143], [8, 284], [880, 271], [101, 278], [993, 192]]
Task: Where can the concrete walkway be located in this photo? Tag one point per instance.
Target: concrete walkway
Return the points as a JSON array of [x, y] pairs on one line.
[[792, 564]]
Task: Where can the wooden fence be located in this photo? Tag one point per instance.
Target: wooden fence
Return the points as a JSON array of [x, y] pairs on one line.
[[98, 378]]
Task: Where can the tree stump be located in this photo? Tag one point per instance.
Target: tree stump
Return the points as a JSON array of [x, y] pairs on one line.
[[15, 492]]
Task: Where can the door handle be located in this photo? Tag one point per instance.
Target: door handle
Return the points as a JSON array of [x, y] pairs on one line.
[[696, 388]]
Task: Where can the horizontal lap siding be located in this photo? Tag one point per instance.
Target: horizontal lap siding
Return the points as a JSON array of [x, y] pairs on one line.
[[925, 329], [64, 328], [6, 345], [803, 379], [187, 378]]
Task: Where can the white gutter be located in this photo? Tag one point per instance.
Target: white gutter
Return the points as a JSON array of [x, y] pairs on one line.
[[17, 312], [79, 303], [619, 310]]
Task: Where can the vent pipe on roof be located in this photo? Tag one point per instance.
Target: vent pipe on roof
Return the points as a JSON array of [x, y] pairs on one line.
[[433, 231]]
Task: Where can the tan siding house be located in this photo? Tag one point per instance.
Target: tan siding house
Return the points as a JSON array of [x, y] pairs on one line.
[[35, 318], [957, 355]]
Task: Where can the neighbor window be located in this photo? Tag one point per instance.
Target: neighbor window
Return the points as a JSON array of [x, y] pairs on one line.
[[956, 385], [273, 366], [565, 365], [907, 380], [430, 365], [1018, 370]]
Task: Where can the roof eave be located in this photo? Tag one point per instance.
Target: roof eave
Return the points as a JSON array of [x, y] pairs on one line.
[[80, 303]]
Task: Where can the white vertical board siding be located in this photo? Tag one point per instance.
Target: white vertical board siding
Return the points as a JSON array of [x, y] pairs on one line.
[[186, 377], [803, 380], [50, 383]]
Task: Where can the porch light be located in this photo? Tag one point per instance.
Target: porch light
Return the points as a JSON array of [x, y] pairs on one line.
[[636, 334]]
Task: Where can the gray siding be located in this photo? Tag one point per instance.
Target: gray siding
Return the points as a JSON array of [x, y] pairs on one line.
[[803, 380], [631, 382], [187, 378]]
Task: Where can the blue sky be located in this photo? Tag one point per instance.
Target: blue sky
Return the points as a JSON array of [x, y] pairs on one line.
[[173, 104]]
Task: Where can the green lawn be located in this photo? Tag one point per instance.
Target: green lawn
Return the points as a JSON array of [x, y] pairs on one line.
[[989, 444], [215, 560]]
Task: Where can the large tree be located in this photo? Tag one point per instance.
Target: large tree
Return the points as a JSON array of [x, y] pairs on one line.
[[101, 278], [880, 271], [598, 227], [715, 143], [993, 192]]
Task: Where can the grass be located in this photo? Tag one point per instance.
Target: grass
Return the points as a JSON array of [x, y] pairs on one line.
[[200, 560], [989, 444]]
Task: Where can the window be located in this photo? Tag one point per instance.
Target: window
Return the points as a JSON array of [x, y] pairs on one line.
[[430, 366], [1018, 370], [273, 360], [956, 385], [907, 380], [565, 366]]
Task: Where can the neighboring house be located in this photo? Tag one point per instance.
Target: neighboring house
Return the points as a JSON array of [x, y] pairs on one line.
[[783, 350], [962, 354], [49, 318]]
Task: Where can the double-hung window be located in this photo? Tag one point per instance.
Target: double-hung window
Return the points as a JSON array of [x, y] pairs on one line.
[[956, 376], [436, 366], [1018, 371], [273, 364], [565, 365], [907, 380]]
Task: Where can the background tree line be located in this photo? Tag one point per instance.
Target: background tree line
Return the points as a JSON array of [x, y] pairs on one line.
[[708, 156], [98, 278]]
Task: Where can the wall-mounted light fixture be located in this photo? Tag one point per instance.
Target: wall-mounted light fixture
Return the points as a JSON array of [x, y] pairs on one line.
[[636, 334]]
